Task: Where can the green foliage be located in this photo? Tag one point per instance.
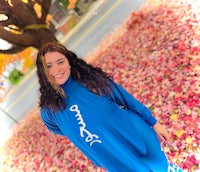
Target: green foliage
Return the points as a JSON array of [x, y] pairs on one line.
[[72, 24], [15, 76], [63, 3]]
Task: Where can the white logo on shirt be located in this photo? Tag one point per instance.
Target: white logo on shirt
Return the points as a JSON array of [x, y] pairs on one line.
[[89, 137]]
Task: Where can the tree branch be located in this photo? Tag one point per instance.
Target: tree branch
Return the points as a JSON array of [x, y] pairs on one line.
[[23, 39], [13, 50]]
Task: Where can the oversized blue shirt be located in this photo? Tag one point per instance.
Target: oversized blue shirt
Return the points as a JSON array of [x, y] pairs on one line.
[[112, 137]]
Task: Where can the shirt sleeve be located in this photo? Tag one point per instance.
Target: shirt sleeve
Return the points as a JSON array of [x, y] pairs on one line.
[[49, 122], [125, 99]]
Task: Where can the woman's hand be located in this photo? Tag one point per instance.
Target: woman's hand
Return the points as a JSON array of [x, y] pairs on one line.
[[161, 131]]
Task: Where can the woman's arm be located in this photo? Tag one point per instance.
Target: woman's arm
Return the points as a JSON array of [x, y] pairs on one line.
[[123, 98], [48, 121]]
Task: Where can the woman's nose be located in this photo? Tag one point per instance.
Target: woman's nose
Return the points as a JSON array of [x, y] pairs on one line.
[[55, 69]]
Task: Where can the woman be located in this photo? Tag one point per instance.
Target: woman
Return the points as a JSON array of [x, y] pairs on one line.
[[101, 118]]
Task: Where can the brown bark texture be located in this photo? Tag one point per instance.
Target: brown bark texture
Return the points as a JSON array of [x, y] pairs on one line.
[[24, 28]]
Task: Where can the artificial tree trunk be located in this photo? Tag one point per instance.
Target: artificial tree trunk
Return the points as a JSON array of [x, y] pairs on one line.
[[24, 26]]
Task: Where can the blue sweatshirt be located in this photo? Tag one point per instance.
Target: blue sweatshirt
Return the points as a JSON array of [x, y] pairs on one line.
[[115, 134]]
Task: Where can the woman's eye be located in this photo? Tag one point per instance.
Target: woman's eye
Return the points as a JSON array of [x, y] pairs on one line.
[[49, 66], [60, 62]]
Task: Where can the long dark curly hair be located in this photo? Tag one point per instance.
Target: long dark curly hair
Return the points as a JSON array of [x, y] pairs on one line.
[[52, 95]]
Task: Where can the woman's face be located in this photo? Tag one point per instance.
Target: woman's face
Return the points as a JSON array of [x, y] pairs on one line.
[[58, 67]]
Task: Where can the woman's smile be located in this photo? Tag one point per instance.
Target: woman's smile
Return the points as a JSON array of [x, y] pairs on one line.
[[59, 75]]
